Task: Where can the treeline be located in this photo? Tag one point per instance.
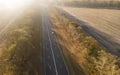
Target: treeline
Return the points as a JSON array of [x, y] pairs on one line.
[[95, 4]]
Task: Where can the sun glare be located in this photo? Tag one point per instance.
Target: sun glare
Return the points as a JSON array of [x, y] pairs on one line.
[[47, 2], [13, 4]]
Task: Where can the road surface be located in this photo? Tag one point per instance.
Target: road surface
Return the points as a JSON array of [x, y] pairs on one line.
[[102, 24], [53, 60]]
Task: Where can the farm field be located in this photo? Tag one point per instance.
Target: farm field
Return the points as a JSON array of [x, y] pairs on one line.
[[81, 51], [59, 37], [104, 20]]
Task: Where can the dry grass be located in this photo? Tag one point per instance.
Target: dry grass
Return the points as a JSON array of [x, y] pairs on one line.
[[20, 45], [81, 50], [105, 20]]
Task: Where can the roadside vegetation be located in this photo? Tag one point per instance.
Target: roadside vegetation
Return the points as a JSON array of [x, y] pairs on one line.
[[82, 52], [20, 45], [105, 21], [95, 3]]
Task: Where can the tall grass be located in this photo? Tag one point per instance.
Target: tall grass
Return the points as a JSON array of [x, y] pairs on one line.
[[21, 45], [83, 49]]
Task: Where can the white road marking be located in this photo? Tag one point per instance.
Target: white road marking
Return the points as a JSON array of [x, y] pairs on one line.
[[52, 52], [43, 46], [62, 55], [50, 66]]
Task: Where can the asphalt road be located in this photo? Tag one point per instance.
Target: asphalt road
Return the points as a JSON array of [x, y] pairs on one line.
[[53, 60], [104, 39]]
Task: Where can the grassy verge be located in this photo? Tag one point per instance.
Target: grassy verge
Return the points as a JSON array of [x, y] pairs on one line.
[[20, 45], [82, 52]]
